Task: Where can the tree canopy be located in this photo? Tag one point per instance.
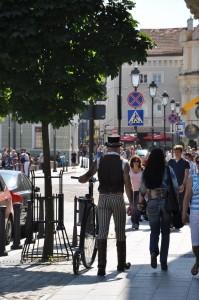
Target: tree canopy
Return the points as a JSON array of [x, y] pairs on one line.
[[53, 54]]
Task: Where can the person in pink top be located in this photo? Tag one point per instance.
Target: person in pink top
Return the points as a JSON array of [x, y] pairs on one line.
[[135, 175]]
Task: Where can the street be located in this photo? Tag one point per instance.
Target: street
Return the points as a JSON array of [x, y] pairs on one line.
[[56, 280]]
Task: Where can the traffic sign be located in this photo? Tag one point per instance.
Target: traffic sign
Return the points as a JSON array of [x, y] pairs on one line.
[[173, 118], [135, 99], [98, 113], [180, 128], [136, 117]]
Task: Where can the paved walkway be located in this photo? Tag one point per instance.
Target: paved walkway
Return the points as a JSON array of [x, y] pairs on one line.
[[56, 281]]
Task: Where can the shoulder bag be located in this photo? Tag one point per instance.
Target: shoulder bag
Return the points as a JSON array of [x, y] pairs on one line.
[[172, 204]]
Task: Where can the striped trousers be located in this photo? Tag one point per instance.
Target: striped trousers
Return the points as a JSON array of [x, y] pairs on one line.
[[108, 206]]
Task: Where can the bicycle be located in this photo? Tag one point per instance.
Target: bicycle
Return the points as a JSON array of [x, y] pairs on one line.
[[87, 249]]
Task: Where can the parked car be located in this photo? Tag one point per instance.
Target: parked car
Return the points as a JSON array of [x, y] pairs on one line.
[[18, 183], [6, 200]]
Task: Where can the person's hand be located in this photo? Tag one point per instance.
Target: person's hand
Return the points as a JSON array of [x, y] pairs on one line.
[[181, 188], [184, 217], [140, 206]]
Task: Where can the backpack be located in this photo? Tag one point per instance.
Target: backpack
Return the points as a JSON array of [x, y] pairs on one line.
[[22, 159]]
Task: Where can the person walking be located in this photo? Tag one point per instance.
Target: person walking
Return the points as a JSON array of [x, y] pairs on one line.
[[73, 159], [191, 199], [181, 169], [135, 175], [154, 187], [113, 174], [193, 168]]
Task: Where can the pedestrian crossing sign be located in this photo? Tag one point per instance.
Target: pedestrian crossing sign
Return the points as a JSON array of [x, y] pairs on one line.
[[136, 117]]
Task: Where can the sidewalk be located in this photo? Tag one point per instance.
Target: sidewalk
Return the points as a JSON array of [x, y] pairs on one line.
[[56, 281]]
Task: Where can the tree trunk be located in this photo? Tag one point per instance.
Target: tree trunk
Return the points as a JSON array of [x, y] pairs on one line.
[[49, 207]]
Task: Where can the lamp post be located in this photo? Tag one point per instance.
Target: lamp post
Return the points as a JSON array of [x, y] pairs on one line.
[[135, 80], [165, 98], [152, 91], [178, 112], [119, 102], [54, 140], [173, 105], [82, 138]]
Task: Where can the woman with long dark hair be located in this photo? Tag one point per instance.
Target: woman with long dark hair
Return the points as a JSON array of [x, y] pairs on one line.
[[154, 187]]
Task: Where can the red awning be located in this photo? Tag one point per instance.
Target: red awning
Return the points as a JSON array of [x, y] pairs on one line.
[[156, 137], [128, 138]]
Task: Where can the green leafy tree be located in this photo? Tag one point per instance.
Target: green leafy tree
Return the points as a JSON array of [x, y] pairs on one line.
[[52, 57]]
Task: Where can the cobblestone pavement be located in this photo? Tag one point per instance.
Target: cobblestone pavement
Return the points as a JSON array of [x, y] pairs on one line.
[[56, 281]]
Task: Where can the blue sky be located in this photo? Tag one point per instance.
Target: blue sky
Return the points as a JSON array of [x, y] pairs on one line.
[[162, 13]]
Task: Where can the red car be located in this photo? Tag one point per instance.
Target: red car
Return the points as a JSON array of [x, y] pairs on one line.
[[6, 200]]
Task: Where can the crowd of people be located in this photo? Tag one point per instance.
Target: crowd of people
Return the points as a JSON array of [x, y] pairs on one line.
[[147, 186], [19, 161]]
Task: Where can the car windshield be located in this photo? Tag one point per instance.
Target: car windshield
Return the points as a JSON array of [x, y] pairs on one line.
[[10, 180]]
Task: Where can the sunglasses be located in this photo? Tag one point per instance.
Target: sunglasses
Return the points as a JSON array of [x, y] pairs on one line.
[[197, 162], [136, 160]]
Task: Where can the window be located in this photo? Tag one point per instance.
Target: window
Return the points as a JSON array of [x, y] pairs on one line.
[[38, 138], [157, 78], [157, 109], [143, 78]]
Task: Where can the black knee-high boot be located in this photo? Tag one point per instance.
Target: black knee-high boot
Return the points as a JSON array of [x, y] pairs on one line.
[[102, 246], [121, 256]]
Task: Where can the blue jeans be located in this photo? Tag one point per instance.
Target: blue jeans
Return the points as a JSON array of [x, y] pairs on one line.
[[135, 217], [159, 221]]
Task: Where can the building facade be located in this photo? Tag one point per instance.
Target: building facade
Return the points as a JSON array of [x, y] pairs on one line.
[[163, 66], [29, 136]]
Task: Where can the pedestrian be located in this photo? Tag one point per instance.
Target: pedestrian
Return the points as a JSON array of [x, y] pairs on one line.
[[193, 168], [41, 161], [5, 156], [100, 151], [113, 174], [58, 159], [73, 159], [135, 175], [154, 187], [14, 159], [191, 199], [181, 169], [26, 163]]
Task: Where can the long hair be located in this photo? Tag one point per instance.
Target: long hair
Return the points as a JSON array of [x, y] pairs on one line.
[[154, 171]]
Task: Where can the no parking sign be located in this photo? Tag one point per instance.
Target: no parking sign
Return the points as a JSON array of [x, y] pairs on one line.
[[135, 99]]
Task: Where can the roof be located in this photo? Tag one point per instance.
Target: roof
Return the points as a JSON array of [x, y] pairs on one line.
[[167, 40]]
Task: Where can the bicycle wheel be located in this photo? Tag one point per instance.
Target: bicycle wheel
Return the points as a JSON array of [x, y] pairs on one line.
[[76, 262], [88, 236]]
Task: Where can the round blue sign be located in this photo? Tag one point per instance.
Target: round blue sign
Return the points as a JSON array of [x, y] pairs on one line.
[[173, 118], [135, 99]]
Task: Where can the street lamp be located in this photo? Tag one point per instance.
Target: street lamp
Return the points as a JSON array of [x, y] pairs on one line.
[[152, 91], [135, 80], [178, 112], [165, 98], [173, 105]]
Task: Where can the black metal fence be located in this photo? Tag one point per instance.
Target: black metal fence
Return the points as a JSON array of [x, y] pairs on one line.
[[34, 243], [36, 225]]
